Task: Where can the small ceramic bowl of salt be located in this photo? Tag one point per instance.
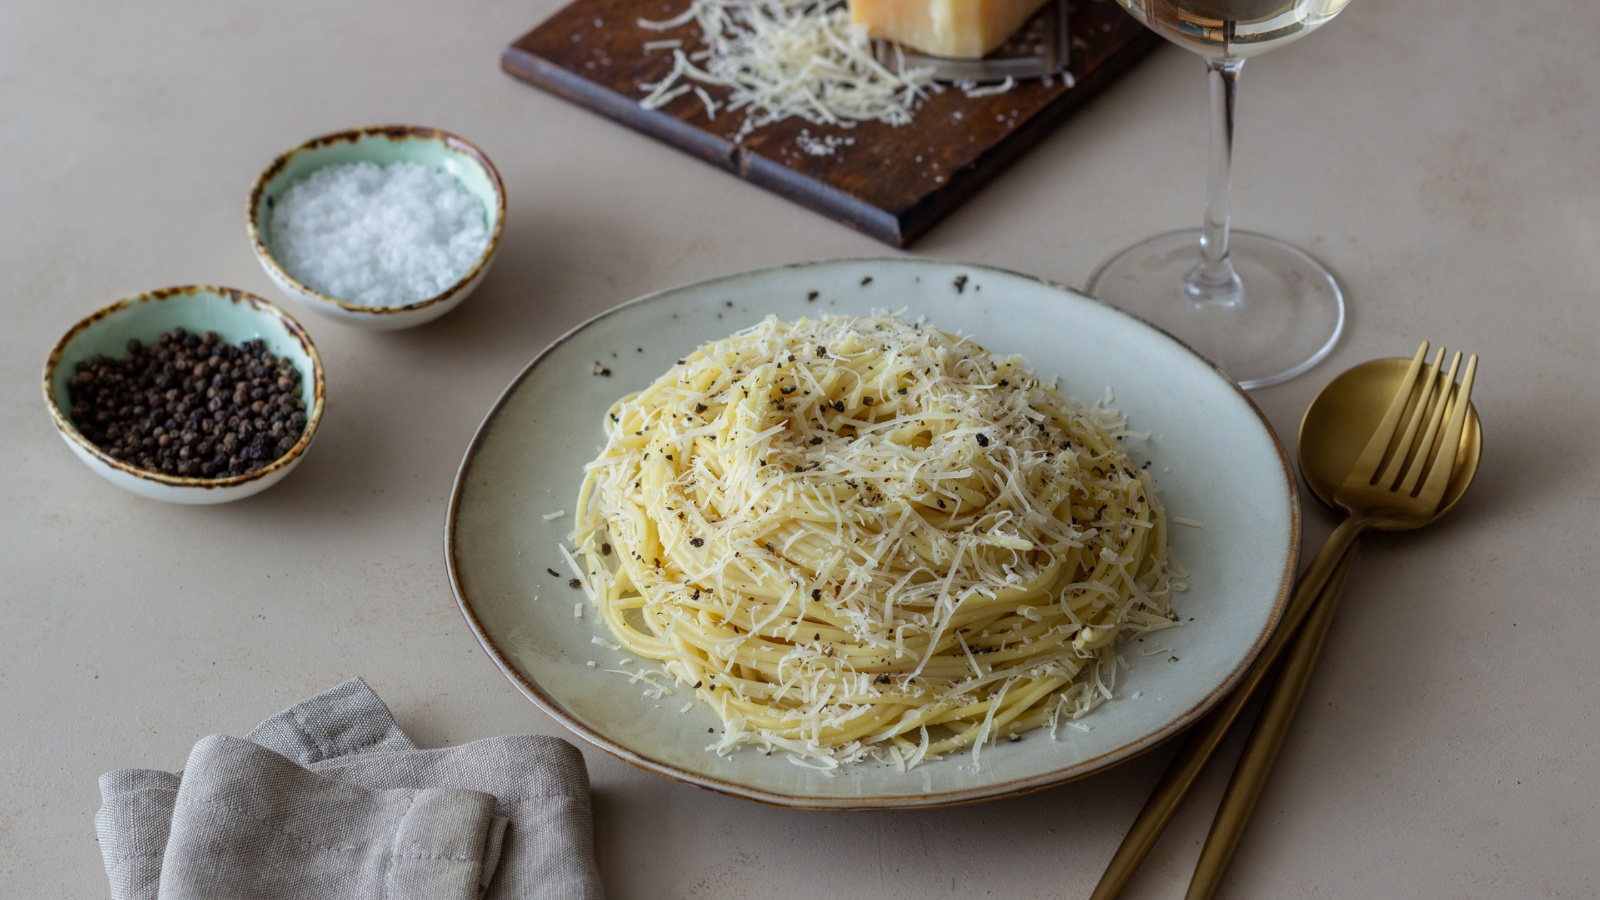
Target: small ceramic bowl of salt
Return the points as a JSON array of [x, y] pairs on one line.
[[383, 228]]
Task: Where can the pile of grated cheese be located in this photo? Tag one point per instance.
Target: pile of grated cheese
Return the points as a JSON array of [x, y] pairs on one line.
[[858, 537], [785, 58]]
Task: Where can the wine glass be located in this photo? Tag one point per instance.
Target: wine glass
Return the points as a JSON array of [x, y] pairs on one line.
[[1261, 309]]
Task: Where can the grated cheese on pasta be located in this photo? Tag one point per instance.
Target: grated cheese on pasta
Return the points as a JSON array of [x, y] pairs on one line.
[[858, 537]]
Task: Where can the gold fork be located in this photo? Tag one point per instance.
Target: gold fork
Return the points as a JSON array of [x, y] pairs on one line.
[[1407, 501], [1369, 497]]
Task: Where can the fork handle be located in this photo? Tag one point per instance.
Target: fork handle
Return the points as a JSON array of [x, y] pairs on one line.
[[1207, 735], [1266, 740]]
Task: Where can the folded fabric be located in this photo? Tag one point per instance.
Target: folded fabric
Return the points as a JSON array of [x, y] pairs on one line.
[[330, 799], [338, 722]]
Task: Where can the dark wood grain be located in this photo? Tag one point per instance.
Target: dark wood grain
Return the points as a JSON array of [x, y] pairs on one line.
[[893, 183]]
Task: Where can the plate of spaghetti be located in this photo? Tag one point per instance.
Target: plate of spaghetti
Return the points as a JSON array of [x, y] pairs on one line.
[[872, 533]]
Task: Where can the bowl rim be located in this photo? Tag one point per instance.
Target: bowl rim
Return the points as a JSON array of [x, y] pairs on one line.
[[392, 133], [63, 419]]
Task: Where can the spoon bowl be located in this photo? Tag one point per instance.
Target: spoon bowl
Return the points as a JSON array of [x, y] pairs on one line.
[[1336, 426]]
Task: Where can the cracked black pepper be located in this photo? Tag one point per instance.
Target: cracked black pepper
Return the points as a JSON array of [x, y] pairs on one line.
[[190, 405]]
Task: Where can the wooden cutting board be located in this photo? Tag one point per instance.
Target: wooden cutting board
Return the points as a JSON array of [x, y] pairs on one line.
[[890, 182]]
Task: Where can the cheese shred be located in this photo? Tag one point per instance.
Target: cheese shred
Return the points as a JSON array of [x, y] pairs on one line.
[[858, 537], [784, 58]]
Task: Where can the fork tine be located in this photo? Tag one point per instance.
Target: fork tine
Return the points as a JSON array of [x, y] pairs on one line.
[[1423, 450], [1445, 456], [1367, 465], [1404, 449]]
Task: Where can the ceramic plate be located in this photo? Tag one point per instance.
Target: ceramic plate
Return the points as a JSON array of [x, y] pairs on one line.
[[1215, 460]]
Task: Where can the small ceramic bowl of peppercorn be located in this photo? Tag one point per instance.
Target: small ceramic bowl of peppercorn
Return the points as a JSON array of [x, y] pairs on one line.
[[195, 394], [382, 228]]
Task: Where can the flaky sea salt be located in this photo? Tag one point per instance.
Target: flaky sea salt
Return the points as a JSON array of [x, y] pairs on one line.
[[376, 235]]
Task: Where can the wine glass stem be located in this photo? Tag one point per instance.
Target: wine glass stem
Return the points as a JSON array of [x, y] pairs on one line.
[[1214, 279]]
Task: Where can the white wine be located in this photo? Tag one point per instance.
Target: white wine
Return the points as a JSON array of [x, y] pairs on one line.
[[1233, 29]]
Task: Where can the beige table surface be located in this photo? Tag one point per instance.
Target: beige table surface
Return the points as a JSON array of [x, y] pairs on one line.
[[1443, 156]]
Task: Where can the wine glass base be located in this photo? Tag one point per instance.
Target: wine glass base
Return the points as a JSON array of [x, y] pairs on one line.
[[1290, 315]]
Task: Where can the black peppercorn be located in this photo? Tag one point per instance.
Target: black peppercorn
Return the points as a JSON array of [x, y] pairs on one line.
[[190, 405]]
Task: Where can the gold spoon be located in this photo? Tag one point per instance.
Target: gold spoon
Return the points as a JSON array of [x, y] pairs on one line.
[[1347, 408], [1369, 413], [1334, 429]]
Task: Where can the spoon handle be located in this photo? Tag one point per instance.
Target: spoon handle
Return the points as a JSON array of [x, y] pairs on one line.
[[1207, 735], [1266, 740]]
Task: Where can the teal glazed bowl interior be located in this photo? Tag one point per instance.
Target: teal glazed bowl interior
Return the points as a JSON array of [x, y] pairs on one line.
[[383, 145], [236, 317]]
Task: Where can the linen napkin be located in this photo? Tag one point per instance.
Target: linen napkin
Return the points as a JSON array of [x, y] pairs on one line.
[[329, 798]]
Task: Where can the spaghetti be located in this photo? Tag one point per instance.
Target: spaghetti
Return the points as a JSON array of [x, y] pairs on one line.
[[857, 537]]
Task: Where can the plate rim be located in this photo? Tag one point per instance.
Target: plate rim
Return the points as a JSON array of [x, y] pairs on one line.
[[910, 799]]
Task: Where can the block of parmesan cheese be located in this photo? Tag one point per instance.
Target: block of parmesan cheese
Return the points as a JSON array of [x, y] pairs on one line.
[[964, 29]]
